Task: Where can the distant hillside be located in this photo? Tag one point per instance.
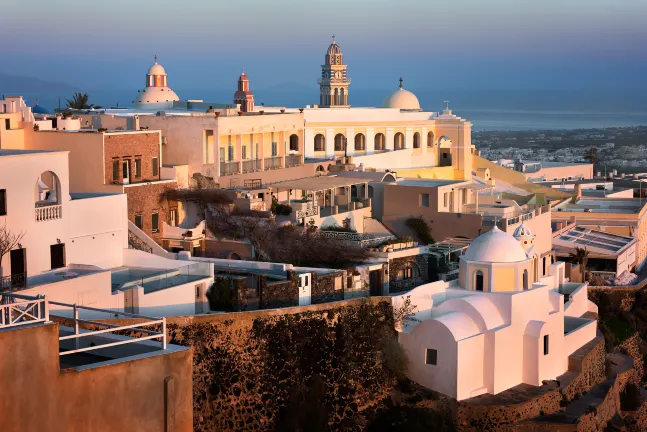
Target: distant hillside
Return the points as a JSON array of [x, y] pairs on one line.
[[21, 85]]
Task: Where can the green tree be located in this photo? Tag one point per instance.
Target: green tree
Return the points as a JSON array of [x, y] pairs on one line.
[[581, 257], [79, 101]]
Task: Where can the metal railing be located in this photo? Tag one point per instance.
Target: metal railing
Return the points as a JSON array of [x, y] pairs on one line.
[[111, 328], [229, 168], [17, 310], [13, 282], [313, 211], [293, 160], [274, 162], [48, 213], [252, 165], [136, 243]]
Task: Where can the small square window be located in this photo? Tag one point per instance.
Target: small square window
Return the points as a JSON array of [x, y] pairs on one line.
[[155, 222], [424, 200], [545, 344], [431, 356]]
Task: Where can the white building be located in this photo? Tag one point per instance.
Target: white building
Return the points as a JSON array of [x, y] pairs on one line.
[[491, 330], [74, 247]]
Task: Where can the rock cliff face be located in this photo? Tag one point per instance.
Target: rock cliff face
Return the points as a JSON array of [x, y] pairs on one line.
[[321, 368]]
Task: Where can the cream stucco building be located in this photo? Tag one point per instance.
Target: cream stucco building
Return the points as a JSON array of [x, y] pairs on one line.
[[494, 328]]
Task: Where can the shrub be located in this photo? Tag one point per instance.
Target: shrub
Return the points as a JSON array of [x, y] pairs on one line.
[[338, 228], [222, 296], [394, 357], [421, 229], [281, 209]]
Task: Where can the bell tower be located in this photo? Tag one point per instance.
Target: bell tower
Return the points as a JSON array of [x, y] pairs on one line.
[[243, 96], [333, 84]]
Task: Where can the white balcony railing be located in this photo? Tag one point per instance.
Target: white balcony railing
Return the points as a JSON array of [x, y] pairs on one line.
[[49, 213], [274, 162], [18, 310]]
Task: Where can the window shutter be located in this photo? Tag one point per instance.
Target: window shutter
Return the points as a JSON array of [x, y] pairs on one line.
[[115, 170]]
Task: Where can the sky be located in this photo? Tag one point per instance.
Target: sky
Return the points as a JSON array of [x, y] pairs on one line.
[[203, 44]]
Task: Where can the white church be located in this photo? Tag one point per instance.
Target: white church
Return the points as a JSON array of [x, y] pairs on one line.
[[491, 330]]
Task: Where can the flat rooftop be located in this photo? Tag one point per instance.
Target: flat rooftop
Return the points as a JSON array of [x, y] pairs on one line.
[[602, 205], [427, 182], [594, 240], [319, 183], [10, 152]]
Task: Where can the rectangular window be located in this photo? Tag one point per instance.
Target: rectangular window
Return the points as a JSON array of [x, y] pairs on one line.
[[445, 199], [156, 166], [197, 291], [3, 202], [222, 155], [155, 220], [464, 196], [431, 356], [337, 283], [139, 222], [275, 149], [115, 171], [545, 344], [244, 152], [138, 168], [424, 200], [231, 156], [208, 145]]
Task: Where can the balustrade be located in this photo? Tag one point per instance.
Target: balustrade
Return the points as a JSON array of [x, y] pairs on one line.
[[49, 213], [293, 160], [251, 165], [274, 162], [229, 168]]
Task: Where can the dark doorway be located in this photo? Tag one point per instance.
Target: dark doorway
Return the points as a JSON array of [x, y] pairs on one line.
[[375, 282], [7, 123], [18, 258], [479, 281], [57, 253]]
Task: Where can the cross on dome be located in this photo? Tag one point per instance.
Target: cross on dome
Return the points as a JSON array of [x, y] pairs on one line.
[[155, 58], [333, 38], [401, 82], [446, 104]]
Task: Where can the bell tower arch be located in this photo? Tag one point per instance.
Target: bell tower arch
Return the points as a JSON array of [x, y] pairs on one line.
[[334, 82]]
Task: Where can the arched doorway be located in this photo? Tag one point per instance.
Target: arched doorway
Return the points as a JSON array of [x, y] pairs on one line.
[[398, 141], [360, 142], [525, 280], [294, 142], [48, 189], [430, 139], [320, 170], [379, 141], [416, 140], [478, 280], [320, 142], [339, 142], [444, 151]]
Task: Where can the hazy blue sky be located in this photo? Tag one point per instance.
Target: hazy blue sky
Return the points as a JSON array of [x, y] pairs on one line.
[[432, 44]]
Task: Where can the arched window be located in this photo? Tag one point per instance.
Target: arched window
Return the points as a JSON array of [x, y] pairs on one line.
[[478, 280], [430, 139], [360, 142], [48, 189], [336, 96], [544, 273], [320, 169], [339, 142], [233, 256], [342, 97], [398, 141], [379, 141], [416, 140], [320, 142], [525, 280], [294, 142]]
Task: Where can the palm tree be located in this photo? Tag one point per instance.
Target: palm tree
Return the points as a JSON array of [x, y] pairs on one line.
[[581, 257], [79, 101]]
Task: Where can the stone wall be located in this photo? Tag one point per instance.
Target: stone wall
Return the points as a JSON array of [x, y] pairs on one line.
[[323, 287], [279, 294], [308, 368], [144, 200], [131, 146], [420, 264]]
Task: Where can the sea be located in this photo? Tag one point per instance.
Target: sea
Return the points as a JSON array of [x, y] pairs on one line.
[[487, 110]]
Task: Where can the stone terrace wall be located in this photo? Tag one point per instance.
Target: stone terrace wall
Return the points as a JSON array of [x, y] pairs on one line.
[[420, 263], [279, 294], [317, 367], [323, 287]]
